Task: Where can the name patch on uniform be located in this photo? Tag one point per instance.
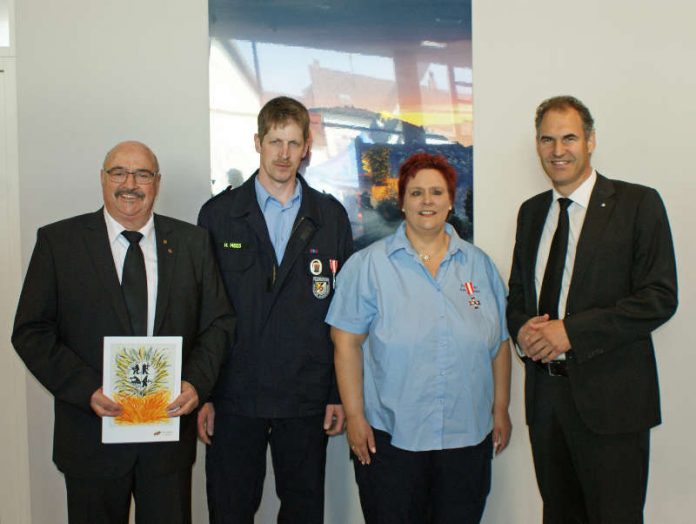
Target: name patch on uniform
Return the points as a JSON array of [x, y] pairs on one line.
[[232, 245], [321, 287]]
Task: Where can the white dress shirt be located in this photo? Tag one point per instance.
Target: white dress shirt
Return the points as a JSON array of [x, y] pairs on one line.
[[148, 244], [576, 214]]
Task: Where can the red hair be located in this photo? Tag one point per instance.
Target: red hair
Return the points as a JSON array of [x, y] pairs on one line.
[[419, 161]]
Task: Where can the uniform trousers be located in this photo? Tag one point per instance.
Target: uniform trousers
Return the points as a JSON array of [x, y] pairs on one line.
[[418, 487], [584, 477], [161, 499], [235, 466]]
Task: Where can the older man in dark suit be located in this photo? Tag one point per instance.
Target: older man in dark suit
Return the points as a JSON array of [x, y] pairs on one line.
[[121, 271], [593, 275]]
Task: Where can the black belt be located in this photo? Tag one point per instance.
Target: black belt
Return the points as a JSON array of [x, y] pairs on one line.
[[555, 368]]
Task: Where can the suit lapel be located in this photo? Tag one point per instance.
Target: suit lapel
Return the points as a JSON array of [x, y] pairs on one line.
[[599, 211], [97, 244], [167, 251], [536, 226]]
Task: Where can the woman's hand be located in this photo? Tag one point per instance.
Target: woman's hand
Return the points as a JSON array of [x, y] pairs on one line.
[[502, 428], [361, 439], [349, 375]]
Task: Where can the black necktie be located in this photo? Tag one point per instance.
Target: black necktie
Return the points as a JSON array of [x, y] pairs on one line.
[[553, 276], [134, 283]]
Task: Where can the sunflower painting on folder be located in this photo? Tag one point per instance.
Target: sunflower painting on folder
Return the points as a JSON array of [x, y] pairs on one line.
[[142, 385], [143, 375]]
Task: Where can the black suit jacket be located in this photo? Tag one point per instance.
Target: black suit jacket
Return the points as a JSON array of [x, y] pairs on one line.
[[72, 298], [624, 285]]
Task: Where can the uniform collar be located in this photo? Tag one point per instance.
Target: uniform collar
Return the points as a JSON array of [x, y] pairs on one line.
[[263, 196], [247, 201]]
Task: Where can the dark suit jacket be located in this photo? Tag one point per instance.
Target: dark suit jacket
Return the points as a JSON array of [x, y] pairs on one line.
[[624, 285], [72, 298]]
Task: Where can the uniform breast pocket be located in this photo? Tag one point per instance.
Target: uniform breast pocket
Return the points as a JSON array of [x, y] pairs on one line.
[[237, 260]]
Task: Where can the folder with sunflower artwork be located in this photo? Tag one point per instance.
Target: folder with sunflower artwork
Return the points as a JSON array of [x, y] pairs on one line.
[[143, 375]]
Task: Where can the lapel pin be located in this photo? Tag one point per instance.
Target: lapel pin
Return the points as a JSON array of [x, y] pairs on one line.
[[170, 251], [603, 204], [164, 241]]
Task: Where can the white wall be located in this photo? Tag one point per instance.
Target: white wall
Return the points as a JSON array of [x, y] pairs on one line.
[[14, 457], [93, 73]]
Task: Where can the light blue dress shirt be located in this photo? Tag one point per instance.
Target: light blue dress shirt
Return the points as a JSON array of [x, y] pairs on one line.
[[279, 218], [427, 359]]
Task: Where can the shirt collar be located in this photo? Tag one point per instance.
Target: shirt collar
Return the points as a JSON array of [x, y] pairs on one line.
[[114, 228], [399, 240], [263, 196], [581, 195]]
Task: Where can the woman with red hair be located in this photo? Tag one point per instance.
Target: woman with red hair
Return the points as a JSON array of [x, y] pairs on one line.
[[422, 360]]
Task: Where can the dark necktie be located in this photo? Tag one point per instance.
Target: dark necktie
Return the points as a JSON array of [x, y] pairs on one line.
[[553, 275], [134, 283]]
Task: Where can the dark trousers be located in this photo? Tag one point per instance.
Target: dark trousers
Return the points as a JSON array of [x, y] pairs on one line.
[[416, 487], [584, 477], [164, 499], [235, 465]]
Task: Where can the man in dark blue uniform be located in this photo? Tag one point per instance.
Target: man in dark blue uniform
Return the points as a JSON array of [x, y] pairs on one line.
[[279, 244]]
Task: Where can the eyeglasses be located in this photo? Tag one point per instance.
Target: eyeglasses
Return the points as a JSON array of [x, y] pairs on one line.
[[118, 175]]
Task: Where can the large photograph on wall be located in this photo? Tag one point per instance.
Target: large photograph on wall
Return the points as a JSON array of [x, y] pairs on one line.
[[381, 80]]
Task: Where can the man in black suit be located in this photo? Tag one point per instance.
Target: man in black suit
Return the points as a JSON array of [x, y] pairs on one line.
[[116, 272], [593, 275]]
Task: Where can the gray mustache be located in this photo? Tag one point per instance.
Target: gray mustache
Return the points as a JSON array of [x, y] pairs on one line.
[[132, 191]]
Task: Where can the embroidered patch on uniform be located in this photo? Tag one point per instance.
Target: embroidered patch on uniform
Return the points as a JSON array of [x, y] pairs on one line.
[[232, 245], [321, 287], [315, 267], [474, 302]]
